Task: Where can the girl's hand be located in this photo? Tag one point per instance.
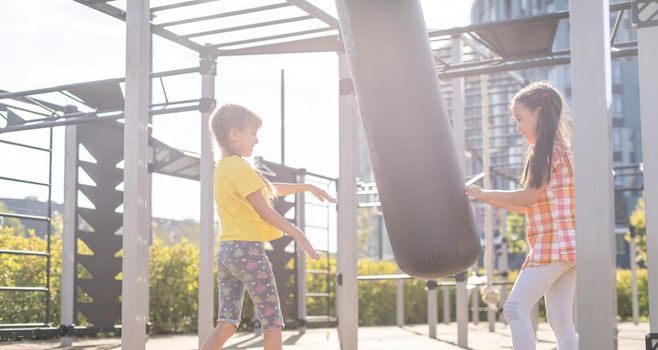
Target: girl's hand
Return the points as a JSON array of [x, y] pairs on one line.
[[321, 194], [475, 192], [305, 245]]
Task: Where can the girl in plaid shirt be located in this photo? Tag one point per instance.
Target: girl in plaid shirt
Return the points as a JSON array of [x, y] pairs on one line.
[[547, 200]]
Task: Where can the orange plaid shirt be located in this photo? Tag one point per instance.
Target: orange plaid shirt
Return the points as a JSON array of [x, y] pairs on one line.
[[551, 221]]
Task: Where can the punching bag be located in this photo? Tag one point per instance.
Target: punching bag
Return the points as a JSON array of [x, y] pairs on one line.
[[419, 179]]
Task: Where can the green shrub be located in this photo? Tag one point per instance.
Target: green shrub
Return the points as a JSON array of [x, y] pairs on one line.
[[174, 288]]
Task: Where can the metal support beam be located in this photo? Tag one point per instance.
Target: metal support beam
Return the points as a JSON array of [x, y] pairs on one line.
[[458, 117], [67, 283], [432, 308], [399, 301], [136, 217], [300, 215], [489, 257], [346, 287], [316, 12], [591, 95], [446, 305], [461, 301], [207, 215], [647, 37]]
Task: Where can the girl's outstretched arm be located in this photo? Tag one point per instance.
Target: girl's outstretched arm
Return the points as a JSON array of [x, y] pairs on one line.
[[284, 189], [524, 198], [519, 210], [272, 217]]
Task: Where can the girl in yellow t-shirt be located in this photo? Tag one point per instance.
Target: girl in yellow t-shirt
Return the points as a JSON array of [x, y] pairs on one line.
[[248, 220]]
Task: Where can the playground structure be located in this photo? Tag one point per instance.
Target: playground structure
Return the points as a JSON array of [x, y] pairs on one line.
[[589, 57]]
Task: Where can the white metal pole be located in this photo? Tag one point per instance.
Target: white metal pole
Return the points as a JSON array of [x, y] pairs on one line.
[[503, 266], [475, 305], [399, 302], [432, 308], [647, 38], [488, 210], [461, 302], [446, 305], [458, 121], [301, 258], [634, 295], [207, 215], [135, 195], [68, 239], [346, 288], [591, 95]]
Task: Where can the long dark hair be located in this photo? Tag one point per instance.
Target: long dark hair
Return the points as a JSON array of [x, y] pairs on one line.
[[553, 123]]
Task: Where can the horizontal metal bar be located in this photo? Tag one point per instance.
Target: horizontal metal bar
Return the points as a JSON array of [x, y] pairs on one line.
[[25, 217], [121, 14], [23, 289], [319, 272], [23, 252], [308, 173], [316, 12], [272, 37], [24, 145], [222, 15], [317, 227], [318, 295], [23, 325], [172, 103], [319, 319], [24, 181], [629, 189], [547, 62], [41, 103], [25, 109], [384, 277], [248, 26], [179, 5], [369, 205], [497, 24], [96, 82], [90, 117], [524, 20]]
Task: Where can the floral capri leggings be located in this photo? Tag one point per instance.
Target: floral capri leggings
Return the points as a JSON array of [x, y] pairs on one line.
[[243, 265]]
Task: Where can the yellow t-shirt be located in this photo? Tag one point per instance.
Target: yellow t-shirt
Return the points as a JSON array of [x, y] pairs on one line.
[[235, 179]]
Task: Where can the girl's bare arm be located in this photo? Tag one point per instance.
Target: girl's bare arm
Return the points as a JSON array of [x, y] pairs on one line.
[[272, 217]]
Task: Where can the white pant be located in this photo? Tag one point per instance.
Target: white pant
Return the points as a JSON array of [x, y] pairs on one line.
[[556, 282]]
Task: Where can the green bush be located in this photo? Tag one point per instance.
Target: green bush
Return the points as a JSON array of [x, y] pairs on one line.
[[174, 288]]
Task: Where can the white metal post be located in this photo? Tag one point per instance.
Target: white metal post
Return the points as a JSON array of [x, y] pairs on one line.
[[446, 305], [301, 258], [503, 265], [68, 239], [206, 218], [647, 38], [432, 308], [458, 121], [475, 305], [634, 294], [590, 72], [399, 302], [346, 288], [461, 296], [488, 210], [135, 195]]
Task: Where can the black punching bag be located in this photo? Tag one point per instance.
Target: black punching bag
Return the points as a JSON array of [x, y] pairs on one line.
[[419, 179]]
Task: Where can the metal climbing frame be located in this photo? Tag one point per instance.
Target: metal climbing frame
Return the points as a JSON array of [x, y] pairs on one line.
[[27, 328]]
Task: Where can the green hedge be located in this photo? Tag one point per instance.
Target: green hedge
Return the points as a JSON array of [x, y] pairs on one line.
[[174, 288]]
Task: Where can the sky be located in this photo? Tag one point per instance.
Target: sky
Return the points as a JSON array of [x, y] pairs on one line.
[[55, 42]]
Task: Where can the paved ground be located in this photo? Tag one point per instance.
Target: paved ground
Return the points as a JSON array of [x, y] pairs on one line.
[[631, 337]]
